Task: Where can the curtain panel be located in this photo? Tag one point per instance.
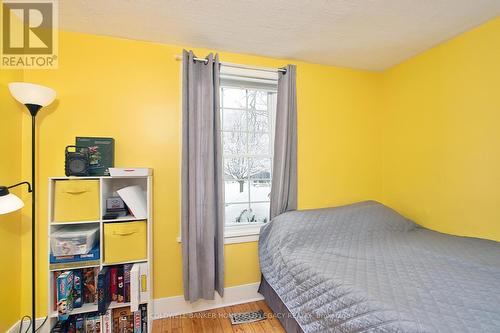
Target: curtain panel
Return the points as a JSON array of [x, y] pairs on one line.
[[284, 181], [202, 230]]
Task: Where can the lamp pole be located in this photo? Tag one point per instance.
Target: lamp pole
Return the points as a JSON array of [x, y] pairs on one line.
[[34, 97], [33, 108]]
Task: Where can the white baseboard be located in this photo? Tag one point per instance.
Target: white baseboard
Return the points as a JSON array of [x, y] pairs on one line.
[[26, 322], [176, 305]]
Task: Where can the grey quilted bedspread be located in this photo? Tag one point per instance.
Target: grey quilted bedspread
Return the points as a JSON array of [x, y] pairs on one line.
[[365, 268]]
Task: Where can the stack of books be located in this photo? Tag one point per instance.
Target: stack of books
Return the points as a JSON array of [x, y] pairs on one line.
[[119, 284], [74, 288], [118, 320], [122, 284]]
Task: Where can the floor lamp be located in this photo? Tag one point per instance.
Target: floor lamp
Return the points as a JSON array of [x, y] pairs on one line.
[[34, 97]]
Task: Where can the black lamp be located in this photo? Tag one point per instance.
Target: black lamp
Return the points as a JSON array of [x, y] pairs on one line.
[[34, 97]]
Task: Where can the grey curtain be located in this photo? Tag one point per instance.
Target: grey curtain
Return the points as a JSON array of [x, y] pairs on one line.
[[202, 187], [284, 183]]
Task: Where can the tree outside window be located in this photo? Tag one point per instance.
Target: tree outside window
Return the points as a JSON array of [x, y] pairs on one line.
[[247, 123]]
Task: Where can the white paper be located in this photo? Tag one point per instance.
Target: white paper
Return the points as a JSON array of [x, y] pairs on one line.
[[134, 288], [135, 199], [143, 281]]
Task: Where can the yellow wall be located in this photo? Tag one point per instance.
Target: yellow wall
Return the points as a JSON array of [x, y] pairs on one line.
[[421, 137], [10, 224], [441, 121], [130, 90]]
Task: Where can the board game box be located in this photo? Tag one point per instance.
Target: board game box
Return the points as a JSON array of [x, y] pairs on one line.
[[101, 154]]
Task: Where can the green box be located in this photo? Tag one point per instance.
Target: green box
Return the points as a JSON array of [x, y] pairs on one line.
[[102, 154]]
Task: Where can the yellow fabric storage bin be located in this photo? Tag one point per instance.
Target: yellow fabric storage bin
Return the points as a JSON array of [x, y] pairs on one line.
[[125, 241], [76, 200]]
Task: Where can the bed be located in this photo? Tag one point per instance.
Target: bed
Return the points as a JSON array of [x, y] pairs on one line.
[[365, 268]]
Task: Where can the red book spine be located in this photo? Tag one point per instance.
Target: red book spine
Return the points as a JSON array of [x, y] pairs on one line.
[[54, 291], [54, 288], [113, 283], [121, 289]]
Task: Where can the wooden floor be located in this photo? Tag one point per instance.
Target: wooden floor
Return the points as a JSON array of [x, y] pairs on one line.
[[216, 320]]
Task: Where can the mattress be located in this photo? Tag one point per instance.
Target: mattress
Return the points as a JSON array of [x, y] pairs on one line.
[[274, 302], [366, 268]]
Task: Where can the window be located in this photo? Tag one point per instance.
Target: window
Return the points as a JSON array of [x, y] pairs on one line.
[[247, 113]]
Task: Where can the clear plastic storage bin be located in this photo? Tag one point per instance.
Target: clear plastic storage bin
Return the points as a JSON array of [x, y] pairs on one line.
[[74, 239]]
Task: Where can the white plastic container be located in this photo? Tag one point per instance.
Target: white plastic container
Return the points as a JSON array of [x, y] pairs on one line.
[[74, 239], [131, 172]]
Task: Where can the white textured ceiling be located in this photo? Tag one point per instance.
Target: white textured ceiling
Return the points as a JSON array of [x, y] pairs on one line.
[[367, 34]]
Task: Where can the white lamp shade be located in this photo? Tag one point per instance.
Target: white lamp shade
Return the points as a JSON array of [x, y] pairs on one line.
[[30, 93], [10, 203]]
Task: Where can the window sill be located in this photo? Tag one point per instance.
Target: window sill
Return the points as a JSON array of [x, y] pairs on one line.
[[239, 234]]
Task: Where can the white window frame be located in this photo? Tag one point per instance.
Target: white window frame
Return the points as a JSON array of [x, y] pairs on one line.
[[249, 232]]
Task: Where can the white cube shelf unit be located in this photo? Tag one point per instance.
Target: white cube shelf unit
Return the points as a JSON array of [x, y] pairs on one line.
[[107, 188]]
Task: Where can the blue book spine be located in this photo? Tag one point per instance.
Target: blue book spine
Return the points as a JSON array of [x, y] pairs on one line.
[[103, 291], [77, 288], [79, 324], [65, 294]]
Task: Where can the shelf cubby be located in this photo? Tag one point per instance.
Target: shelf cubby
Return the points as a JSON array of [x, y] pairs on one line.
[[107, 188]]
